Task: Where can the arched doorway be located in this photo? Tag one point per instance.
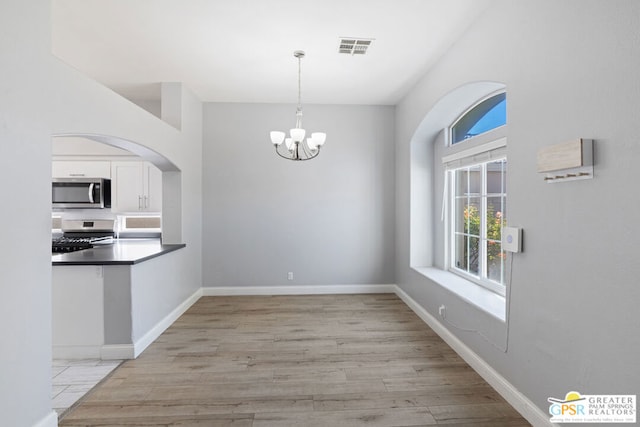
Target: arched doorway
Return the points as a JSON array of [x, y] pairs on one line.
[[171, 177]]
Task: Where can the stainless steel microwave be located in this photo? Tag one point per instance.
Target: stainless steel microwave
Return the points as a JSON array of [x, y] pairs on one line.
[[81, 193]]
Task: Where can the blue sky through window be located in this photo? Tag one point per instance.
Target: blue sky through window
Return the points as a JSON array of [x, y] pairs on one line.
[[487, 115], [497, 116]]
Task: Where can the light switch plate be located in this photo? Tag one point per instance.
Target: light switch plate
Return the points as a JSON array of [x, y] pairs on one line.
[[512, 239]]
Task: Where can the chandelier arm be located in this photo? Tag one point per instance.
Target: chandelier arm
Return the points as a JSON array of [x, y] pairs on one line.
[[313, 156], [282, 155], [296, 151], [309, 156], [307, 152]]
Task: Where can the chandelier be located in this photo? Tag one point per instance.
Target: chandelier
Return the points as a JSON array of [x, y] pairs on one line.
[[296, 148]]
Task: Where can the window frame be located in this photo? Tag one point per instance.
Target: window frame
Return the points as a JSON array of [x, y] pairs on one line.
[[450, 255], [467, 111], [481, 149]]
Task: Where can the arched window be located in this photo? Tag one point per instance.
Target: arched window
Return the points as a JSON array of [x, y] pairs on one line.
[[483, 117], [477, 194], [444, 245]]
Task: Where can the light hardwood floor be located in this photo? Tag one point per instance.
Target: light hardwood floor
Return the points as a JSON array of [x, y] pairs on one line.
[[328, 360]]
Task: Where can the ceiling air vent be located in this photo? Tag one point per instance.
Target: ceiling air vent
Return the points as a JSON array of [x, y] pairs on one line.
[[354, 46]]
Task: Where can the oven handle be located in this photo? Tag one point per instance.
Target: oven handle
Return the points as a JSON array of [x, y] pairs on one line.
[[91, 193]]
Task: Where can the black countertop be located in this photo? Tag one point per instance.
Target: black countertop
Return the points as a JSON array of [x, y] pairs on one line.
[[121, 252]]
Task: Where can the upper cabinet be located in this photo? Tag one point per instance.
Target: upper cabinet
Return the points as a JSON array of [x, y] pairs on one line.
[[135, 187], [80, 169]]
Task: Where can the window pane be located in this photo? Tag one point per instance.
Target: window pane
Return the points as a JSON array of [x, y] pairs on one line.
[[474, 255], [461, 177], [496, 116], [504, 176], [461, 220], [475, 180], [468, 181], [504, 211], [489, 114], [494, 218], [460, 252], [495, 262], [495, 177], [467, 253], [472, 216]]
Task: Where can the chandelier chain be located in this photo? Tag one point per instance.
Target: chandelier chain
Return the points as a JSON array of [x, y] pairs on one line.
[[299, 83]]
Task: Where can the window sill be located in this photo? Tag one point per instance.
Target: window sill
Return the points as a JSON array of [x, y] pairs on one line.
[[474, 294]]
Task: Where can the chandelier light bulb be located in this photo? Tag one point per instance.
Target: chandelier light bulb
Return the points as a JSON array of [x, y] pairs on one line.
[[289, 143], [319, 138], [277, 137], [297, 134]]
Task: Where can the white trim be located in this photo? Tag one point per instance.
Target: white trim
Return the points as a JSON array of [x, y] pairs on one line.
[[50, 420], [140, 345], [117, 352], [124, 351], [298, 290], [76, 351], [478, 149], [470, 292], [519, 401]]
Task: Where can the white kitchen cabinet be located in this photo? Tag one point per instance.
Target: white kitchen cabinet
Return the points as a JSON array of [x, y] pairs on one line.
[[135, 187], [153, 180], [80, 169], [77, 312]]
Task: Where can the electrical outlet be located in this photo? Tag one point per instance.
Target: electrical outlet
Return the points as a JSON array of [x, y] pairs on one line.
[[441, 310], [290, 275]]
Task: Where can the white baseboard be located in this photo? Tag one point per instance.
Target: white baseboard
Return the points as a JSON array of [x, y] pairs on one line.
[[51, 420], [117, 352], [519, 401], [298, 290], [75, 351], [140, 345]]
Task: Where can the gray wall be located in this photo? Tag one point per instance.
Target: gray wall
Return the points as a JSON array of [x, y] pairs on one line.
[[25, 257], [329, 220], [41, 97], [571, 70]]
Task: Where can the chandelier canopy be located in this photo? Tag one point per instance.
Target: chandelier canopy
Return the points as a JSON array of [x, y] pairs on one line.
[[295, 146]]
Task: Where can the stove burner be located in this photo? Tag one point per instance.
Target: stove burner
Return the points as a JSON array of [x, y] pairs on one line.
[[70, 244], [66, 244]]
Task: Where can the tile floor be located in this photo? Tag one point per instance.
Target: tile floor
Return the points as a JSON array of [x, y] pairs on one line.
[[72, 379]]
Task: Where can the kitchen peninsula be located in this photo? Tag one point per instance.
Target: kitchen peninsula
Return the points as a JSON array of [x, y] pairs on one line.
[[121, 252], [110, 301]]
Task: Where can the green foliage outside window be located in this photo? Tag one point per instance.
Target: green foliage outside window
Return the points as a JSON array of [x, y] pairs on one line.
[[494, 230]]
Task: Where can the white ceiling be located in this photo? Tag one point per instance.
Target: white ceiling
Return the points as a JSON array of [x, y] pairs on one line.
[[242, 50]]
